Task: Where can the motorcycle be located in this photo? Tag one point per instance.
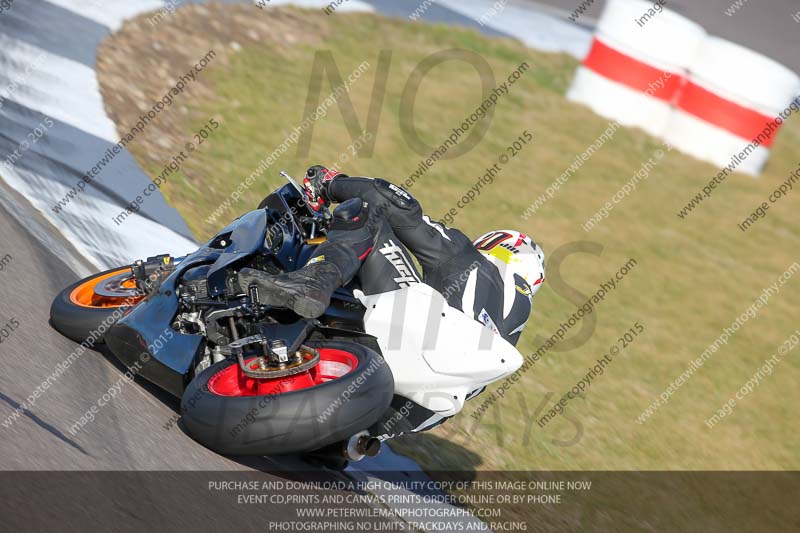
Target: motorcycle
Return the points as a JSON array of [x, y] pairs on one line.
[[255, 379]]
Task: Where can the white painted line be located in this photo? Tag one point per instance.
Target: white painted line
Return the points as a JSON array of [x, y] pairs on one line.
[[109, 13], [89, 227], [346, 5], [55, 86], [535, 28]]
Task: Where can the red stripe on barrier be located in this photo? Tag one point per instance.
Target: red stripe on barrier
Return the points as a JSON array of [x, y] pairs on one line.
[[723, 113], [675, 89], [638, 75]]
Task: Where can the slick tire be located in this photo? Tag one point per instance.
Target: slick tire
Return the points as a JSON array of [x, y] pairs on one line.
[[77, 316], [218, 413]]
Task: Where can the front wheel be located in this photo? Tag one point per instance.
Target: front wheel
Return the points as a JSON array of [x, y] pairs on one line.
[[87, 309], [346, 392]]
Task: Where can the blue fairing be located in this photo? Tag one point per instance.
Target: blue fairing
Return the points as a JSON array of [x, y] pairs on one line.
[[147, 328], [151, 320], [247, 238]]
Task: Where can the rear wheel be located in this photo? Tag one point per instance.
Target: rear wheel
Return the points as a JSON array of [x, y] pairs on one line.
[[346, 392], [87, 308]]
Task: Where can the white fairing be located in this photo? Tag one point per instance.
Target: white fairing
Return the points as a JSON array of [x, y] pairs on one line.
[[438, 355]]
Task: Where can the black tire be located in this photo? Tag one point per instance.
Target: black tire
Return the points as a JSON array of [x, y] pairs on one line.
[[289, 423], [78, 322]]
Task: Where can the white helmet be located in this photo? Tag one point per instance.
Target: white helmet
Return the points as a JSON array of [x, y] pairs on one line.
[[512, 253]]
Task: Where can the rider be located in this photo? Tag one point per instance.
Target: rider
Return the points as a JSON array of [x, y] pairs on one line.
[[492, 280]]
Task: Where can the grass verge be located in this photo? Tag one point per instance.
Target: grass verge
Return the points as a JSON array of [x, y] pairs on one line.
[[692, 277]]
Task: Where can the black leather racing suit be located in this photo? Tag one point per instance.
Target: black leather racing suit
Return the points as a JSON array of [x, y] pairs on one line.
[[449, 261], [371, 228]]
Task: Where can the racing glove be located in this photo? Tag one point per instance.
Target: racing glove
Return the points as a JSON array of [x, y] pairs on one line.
[[316, 183]]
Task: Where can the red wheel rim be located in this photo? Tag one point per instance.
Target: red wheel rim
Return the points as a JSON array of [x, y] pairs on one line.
[[333, 364]]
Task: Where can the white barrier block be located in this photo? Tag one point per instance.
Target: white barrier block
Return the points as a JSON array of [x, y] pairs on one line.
[[733, 94], [709, 143], [615, 101], [666, 36]]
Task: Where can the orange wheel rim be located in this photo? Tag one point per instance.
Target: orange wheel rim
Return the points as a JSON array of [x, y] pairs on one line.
[[84, 294]]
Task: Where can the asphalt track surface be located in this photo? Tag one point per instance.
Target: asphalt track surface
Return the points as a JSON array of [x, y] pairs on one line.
[[127, 434], [124, 470], [130, 433]]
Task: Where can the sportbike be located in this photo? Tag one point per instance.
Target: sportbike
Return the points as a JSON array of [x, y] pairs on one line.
[[255, 379]]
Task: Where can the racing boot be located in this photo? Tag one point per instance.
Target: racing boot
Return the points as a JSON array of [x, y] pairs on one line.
[[308, 291]]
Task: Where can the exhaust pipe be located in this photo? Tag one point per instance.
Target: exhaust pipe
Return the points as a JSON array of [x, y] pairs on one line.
[[355, 448], [361, 445]]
